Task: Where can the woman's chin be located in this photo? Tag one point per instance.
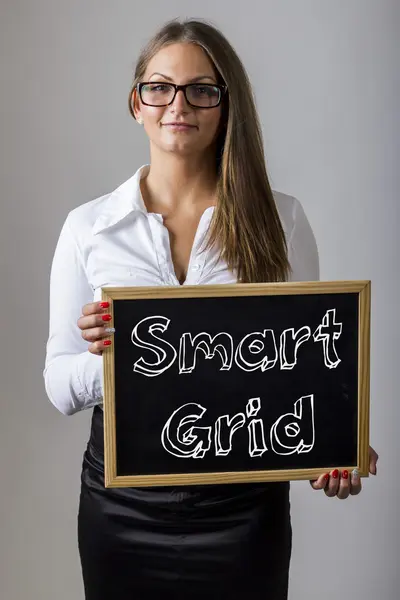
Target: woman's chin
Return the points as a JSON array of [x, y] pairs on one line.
[[180, 147]]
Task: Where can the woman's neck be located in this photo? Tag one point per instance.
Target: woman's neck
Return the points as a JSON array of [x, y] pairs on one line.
[[179, 183]]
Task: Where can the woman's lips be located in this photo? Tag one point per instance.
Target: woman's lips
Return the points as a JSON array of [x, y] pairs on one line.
[[178, 126]]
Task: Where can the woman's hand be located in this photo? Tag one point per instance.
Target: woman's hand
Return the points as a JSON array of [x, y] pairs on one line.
[[95, 326], [344, 484]]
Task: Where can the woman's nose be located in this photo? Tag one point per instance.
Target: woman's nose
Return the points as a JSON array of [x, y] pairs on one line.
[[180, 102]]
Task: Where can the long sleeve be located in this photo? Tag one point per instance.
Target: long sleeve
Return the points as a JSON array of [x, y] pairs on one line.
[[302, 247], [72, 375]]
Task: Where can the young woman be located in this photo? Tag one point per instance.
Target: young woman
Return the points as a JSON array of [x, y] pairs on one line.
[[206, 182]]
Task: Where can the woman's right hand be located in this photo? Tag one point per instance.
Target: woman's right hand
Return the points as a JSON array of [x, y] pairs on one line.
[[95, 326]]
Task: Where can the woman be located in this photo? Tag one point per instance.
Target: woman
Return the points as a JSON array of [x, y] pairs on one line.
[[206, 182]]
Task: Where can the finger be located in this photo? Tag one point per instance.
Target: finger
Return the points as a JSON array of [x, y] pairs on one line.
[[344, 486], [333, 485], [94, 320], [355, 484], [373, 459], [97, 333], [320, 483], [99, 346], [94, 308]]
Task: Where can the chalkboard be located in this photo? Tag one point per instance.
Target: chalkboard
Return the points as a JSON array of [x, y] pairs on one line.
[[236, 383]]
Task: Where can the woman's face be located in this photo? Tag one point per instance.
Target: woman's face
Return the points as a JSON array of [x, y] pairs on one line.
[[180, 64]]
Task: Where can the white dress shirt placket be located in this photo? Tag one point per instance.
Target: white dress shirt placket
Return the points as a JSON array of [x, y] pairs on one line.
[[162, 247]]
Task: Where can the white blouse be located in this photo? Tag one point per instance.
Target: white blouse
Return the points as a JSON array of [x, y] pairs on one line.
[[114, 241]]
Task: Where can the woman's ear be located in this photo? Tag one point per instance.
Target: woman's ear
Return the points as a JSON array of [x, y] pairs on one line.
[[136, 106]]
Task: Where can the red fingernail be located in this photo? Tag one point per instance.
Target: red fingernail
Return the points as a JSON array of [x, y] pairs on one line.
[[345, 474], [326, 477], [106, 317], [335, 474], [107, 342], [104, 304]]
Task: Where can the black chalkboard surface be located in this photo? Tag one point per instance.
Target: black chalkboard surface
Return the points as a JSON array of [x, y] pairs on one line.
[[233, 383]]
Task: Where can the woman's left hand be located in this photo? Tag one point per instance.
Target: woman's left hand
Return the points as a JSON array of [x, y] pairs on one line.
[[344, 484]]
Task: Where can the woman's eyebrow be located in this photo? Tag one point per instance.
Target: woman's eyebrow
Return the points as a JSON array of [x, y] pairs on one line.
[[194, 80]]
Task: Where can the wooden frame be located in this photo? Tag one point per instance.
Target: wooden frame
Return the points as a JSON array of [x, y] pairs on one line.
[[362, 288]]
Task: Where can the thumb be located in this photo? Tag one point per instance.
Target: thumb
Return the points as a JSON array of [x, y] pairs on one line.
[[320, 483]]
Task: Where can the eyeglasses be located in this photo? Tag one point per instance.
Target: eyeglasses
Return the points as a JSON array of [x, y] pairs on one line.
[[198, 95]]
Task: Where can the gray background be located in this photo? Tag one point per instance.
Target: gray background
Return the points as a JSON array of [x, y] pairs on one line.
[[326, 78]]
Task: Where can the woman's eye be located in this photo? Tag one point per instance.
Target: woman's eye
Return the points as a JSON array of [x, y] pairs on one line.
[[206, 90], [156, 88]]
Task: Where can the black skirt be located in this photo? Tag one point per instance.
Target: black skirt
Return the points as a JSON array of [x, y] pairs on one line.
[[220, 541]]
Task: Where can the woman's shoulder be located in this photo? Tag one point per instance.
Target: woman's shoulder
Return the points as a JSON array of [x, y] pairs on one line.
[[286, 206], [100, 212], [84, 216], [302, 244]]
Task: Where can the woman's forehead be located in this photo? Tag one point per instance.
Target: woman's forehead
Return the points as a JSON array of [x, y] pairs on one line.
[[181, 60]]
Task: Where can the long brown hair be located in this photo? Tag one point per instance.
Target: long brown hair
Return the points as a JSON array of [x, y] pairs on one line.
[[246, 226]]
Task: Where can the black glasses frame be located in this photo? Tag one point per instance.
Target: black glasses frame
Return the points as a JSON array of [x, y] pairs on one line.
[[222, 89]]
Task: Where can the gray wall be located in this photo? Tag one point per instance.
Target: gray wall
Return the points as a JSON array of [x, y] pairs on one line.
[[326, 77]]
